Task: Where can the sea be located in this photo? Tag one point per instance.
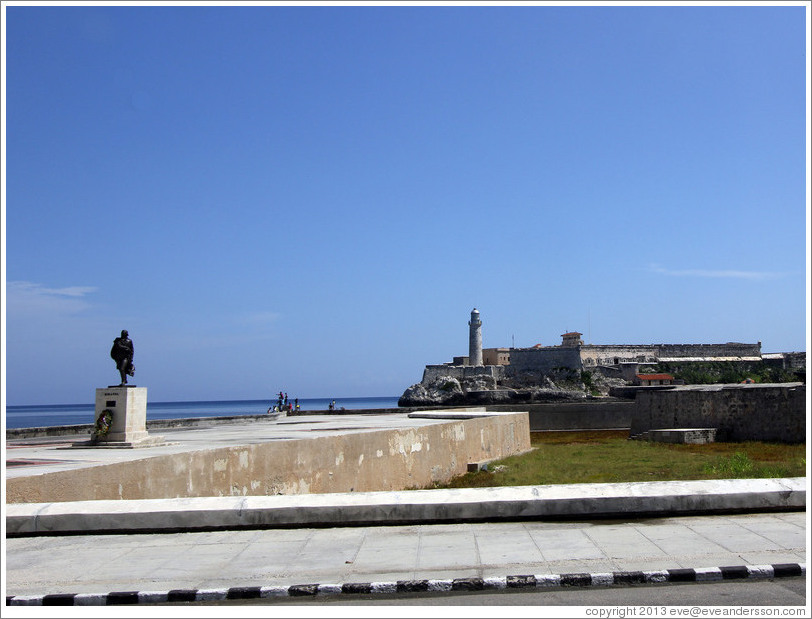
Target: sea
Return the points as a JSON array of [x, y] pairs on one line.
[[74, 414]]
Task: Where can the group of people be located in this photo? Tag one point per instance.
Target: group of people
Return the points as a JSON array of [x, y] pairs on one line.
[[283, 404]]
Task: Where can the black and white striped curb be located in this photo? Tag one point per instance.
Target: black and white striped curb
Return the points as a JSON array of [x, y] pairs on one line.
[[542, 581]]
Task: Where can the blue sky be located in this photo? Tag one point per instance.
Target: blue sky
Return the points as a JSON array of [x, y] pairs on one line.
[[313, 199]]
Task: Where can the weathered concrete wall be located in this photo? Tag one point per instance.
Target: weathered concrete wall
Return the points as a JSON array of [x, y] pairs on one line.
[[360, 462], [766, 412], [582, 416], [587, 415]]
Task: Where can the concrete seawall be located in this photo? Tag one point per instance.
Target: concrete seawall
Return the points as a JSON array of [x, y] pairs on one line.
[[353, 461], [754, 412], [586, 415]]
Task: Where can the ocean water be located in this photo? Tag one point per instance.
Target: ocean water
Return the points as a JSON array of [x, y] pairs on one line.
[[73, 414]]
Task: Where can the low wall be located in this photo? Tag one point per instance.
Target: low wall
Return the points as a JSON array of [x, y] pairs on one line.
[[588, 415], [755, 412], [353, 462]]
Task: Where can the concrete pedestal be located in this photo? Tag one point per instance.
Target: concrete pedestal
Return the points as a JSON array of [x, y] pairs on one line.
[[129, 425], [685, 436]]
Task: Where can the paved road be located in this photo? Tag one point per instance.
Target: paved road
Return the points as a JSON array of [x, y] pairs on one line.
[[635, 601], [284, 557]]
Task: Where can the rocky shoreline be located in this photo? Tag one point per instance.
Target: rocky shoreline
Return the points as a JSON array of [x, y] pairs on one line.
[[563, 386]]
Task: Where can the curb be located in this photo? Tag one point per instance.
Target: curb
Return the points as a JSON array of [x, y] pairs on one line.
[[542, 581], [597, 500]]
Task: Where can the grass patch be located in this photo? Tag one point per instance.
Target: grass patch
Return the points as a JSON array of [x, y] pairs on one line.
[[609, 456]]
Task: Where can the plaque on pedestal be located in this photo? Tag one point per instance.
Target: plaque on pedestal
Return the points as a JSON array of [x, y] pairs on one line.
[[124, 423]]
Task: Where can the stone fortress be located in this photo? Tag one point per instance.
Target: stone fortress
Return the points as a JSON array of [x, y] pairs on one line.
[[550, 373]]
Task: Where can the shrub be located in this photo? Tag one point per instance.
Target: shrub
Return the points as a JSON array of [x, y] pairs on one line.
[[735, 465]]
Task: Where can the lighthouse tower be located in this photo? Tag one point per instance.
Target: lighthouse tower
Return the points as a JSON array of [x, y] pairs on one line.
[[475, 339]]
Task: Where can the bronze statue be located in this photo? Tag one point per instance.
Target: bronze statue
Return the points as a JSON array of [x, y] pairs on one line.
[[122, 353]]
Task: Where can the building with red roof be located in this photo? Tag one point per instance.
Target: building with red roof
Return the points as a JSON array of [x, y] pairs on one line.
[[646, 380]]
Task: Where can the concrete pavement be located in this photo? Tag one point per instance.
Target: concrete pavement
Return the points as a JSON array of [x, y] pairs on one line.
[[280, 563]]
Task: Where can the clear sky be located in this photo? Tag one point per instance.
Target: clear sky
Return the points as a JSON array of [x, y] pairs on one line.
[[313, 199]]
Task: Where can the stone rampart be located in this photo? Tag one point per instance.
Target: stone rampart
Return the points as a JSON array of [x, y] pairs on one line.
[[613, 355], [593, 355], [795, 360], [461, 372], [786, 360], [545, 359], [395, 459], [548, 358], [755, 412], [730, 349]]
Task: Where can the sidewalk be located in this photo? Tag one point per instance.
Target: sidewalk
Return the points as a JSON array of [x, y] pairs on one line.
[[215, 565]]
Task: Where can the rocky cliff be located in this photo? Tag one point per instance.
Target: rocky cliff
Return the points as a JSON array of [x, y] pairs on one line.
[[525, 387]]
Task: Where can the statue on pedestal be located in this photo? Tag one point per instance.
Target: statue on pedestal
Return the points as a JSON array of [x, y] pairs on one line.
[[122, 353]]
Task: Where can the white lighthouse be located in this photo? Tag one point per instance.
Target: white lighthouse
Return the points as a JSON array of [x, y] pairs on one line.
[[475, 339]]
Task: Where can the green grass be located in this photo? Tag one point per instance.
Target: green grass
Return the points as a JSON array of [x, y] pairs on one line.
[[609, 456]]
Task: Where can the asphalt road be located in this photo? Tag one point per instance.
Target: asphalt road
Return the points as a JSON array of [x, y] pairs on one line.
[[637, 601]]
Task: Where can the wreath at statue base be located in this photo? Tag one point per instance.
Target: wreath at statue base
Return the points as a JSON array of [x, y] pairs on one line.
[[102, 426]]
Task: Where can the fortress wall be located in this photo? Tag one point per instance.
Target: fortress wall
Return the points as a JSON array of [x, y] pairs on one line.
[[359, 461], [762, 412], [548, 358], [787, 360], [460, 372], [544, 359], [606, 355], [731, 349]]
